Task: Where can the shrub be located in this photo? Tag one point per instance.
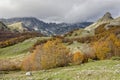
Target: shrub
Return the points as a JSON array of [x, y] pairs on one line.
[[6, 65], [16, 38], [78, 58], [49, 55]]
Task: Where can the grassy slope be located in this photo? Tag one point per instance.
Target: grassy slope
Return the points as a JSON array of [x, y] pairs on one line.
[[76, 46], [79, 33], [16, 26], [99, 70], [18, 49]]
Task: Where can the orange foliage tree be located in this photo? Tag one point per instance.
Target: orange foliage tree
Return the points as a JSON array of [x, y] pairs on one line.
[[78, 58], [49, 55]]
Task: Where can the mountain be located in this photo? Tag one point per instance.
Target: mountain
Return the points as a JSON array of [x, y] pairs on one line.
[[45, 28], [18, 27], [64, 27], [105, 19], [30, 22], [101, 25]]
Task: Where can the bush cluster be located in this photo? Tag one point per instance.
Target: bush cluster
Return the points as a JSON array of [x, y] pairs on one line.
[[7, 65], [16, 39], [49, 55]]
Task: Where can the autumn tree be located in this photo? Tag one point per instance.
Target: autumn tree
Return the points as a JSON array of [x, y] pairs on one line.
[[78, 58], [114, 45], [49, 55], [101, 49], [108, 47]]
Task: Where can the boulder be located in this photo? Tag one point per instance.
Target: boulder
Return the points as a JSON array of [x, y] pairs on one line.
[[28, 74]]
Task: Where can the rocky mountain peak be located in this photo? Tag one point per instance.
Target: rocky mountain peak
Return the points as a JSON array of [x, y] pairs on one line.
[[107, 17]]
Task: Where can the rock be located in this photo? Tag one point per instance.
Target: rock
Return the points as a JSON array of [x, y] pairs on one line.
[[28, 74]]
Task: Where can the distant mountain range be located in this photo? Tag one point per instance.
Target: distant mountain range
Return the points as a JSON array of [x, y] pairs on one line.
[[34, 24]]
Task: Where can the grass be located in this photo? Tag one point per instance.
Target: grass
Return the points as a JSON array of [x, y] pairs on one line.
[[98, 70], [19, 49]]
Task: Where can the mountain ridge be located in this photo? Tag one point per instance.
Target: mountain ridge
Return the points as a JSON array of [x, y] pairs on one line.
[[45, 28]]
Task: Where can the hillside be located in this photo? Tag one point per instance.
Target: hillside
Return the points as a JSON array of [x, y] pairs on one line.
[[19, 49], [106, 22], [17, 27], [79, 33], [98, 70]]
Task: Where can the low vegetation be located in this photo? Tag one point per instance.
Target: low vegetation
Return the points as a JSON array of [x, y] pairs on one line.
[[97, 70], [16, 38]]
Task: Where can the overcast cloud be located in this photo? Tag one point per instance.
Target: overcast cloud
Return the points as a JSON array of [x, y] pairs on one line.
[[59, 10]]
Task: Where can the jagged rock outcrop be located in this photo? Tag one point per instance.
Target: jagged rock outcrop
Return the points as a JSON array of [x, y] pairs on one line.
[[107, 18]]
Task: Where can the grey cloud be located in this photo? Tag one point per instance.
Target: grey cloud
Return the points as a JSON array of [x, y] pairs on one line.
[[59, 10]]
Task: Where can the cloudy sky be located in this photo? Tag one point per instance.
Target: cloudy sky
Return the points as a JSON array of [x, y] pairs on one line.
[[59, 10]]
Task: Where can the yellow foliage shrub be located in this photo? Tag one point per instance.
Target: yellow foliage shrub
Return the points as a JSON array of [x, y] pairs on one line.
[[114, 44], [107, 48], [101, 49]]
